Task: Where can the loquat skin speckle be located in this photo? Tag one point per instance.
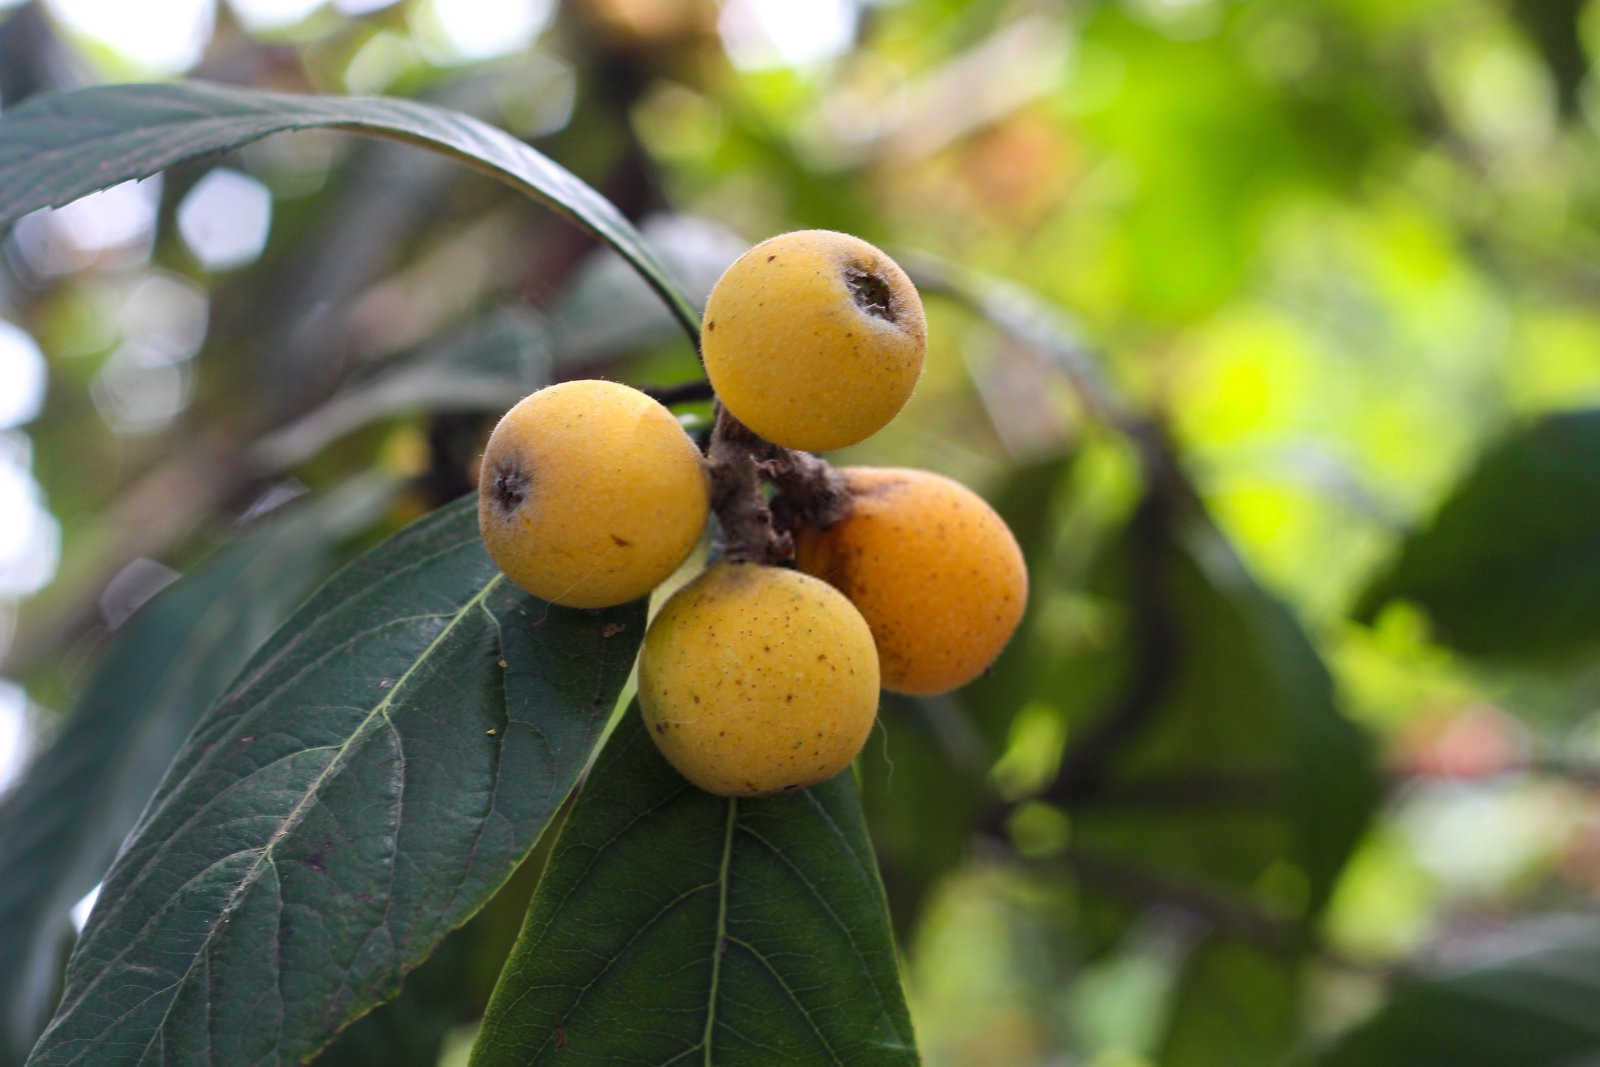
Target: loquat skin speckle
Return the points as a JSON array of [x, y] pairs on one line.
[[739, 630], [819, 339], [591, 494], [935, 572]]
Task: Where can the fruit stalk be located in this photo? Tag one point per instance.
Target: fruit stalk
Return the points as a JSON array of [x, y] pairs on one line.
[[808, 491]]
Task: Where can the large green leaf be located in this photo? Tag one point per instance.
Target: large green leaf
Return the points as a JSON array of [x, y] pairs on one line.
[[61, 824], [1510, 565], [1526, 998], [1234, 796], [1333, 779], [673, 926], [377, 770], [56, 147], [1244, 761]]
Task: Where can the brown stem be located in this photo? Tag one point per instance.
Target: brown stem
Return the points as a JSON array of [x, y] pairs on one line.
[[808, 492], [683, 393], [736, 497]]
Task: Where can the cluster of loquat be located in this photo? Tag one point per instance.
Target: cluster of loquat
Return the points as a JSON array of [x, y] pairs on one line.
[[756, 678]]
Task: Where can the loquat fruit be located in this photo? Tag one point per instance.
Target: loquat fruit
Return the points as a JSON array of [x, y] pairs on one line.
[[756, 680], [590, 494], [814, 339], [935, 572]]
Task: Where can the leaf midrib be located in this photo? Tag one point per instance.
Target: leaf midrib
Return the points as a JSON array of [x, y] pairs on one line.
[[719, 943], [254, 672], [194, 815], [296, 814]]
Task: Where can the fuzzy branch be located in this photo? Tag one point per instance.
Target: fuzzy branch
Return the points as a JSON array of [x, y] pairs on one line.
[[807, 492]]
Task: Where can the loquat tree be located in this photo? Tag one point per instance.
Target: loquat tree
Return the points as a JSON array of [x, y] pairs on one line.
[[632, 730]]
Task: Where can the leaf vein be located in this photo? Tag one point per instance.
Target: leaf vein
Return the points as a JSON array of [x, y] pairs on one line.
[[313, 791], [790, 993]]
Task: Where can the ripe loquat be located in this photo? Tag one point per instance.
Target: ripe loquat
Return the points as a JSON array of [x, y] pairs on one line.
[[935, 572], [756, 680], [814, 339], [590, 494]]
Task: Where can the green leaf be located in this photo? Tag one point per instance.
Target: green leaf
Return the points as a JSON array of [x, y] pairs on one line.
[[56, 147], [1509, 568], [1245, 762], [1526, 997], [673, 926], [373, 775], [61, 824], [1333, 779]]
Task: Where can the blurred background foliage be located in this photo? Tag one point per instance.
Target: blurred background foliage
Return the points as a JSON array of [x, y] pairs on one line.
[[1272, 326]]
